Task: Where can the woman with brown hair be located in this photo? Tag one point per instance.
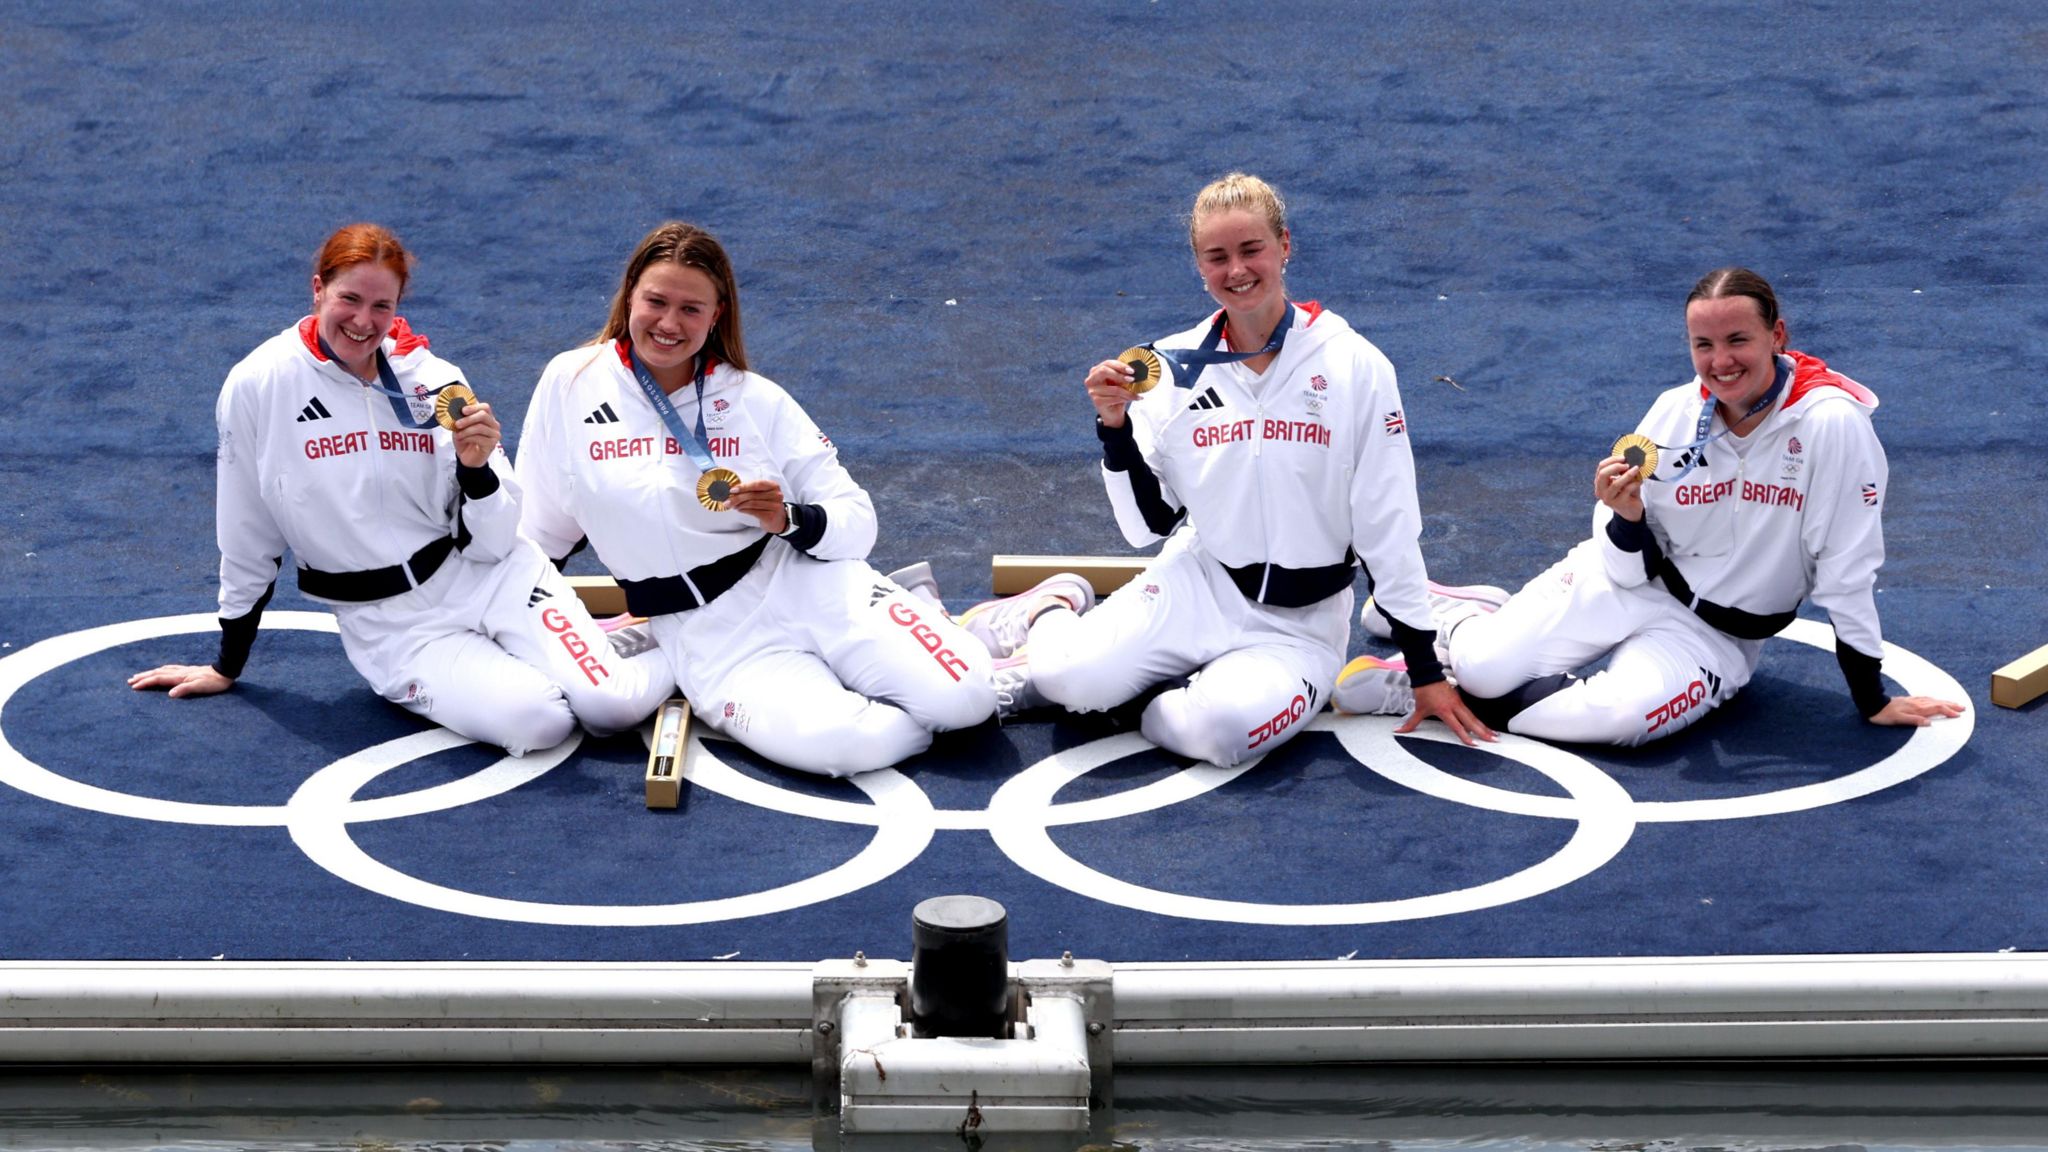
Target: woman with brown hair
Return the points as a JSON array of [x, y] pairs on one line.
[[729, 522], [1755, 485]]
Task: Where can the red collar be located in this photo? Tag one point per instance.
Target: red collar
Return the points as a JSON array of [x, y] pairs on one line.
[[401, 334], [624, 348]]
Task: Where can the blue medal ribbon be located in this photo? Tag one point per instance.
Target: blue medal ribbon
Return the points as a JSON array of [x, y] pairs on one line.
[[1191, 361], [401, 403], [693, 446], [1696, 452]]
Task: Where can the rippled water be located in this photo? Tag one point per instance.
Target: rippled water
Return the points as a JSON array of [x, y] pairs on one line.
[[1602, 1108]]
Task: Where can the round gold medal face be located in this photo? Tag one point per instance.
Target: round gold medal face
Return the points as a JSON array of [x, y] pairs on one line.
[[1146, 370], [1639, 451], [449, 403], [714, 488]]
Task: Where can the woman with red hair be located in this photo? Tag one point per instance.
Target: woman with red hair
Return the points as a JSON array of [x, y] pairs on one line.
[[344, 439]]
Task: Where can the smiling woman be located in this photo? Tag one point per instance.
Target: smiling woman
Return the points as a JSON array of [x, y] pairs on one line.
[[1754, 486], [729, 522], [344, 439], [1273, 462]]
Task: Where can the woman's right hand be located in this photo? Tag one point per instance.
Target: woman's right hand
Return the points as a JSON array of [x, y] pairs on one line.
[[182, 680], [1619, 485], [1109, 386]]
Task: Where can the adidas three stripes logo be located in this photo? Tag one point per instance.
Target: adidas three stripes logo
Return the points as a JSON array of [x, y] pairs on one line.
[[1208, 399], [603, 415], [314, 411]]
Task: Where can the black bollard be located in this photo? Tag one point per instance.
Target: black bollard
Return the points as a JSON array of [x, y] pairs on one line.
[[960, 967]]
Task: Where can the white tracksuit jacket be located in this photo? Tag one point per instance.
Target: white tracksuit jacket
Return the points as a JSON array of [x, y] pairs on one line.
[[314, 460], [1798, 514], [1289, 469], [597, 461]]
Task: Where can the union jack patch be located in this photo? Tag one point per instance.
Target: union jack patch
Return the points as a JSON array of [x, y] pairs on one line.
[[1395, 424], [824, 439], [1870, 495]]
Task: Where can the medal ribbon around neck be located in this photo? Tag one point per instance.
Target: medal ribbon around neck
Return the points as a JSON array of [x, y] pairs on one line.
[[1641, 451], [448, 400], [1189, 362], [714, 484]]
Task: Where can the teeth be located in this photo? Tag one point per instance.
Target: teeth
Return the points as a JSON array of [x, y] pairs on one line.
[[664, 341]]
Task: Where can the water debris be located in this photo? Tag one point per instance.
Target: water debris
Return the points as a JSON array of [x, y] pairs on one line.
[[1448, 380]]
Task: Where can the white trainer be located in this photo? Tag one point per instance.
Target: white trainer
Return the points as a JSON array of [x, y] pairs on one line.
[[1016, 691], [1372, 686], [1448, 604], [917, 579], [629, 635], [1003, 624]]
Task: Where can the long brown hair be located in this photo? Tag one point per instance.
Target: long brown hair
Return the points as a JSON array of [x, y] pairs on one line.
[[691, 247]]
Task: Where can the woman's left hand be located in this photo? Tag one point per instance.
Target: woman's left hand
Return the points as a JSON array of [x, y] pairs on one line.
[[1442, 701], [1916, 711], [476, 435], [761, 499]]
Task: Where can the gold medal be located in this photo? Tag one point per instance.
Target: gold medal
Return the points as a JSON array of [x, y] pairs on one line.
[[714, 488], [1146, 368], [449, 403], [1638, 451]]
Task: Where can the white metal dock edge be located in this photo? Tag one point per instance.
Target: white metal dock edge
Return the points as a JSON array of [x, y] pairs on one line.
[[1908, 1006]]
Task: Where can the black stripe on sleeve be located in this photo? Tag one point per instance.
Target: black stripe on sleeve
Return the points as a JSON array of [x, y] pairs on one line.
[[1866, 683], [1120, 453]]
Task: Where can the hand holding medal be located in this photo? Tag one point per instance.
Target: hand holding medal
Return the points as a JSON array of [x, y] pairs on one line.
[[451, 402], [1113, 384], [1147, 369], [1618, 481], [475, 426], [715, 488], [1638, 452], [761, 499]]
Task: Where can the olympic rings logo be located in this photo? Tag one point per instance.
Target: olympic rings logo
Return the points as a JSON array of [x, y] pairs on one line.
[[1019, 816]]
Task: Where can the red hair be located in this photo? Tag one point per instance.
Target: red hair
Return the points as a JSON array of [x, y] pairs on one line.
[[362, 244]]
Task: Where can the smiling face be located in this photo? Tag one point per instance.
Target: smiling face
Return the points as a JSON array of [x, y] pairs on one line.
[[671, 312], [1240, 258], [1734, 351], [354, 309]]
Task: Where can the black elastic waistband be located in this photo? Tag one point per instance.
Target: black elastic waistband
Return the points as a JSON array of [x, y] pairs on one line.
[[1734, 621], [377, 583], [661, 595], [1291, 587]]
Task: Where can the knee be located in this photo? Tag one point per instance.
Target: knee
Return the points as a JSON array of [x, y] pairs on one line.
[[966, 704], [525, 725], [1212, 735], [604, 715], [882, 737], [1572, 716], [1486, 681], [1077, 686]]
